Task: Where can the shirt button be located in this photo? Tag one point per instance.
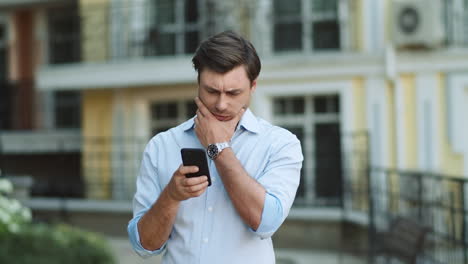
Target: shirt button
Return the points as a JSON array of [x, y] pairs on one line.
[[210, 209], [205, 240], [213, 179]]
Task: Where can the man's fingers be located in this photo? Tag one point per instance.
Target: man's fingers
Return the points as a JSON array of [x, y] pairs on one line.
[[197, 188], [202, 108], [194, 181], [187, 169]]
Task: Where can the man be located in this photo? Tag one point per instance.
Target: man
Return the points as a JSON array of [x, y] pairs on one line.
[[254, 167]]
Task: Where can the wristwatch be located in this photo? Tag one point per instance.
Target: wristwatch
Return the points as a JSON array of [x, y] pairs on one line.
[[213, 150]]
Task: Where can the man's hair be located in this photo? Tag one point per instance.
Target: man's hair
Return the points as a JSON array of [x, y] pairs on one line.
[[225, 51]]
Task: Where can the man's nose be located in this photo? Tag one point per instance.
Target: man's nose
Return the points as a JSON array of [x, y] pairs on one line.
[[222, 103]]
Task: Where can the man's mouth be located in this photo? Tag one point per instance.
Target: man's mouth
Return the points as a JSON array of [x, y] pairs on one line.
[[221, 118]]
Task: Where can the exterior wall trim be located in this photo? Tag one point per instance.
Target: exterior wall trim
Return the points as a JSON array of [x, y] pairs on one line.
[[457, 111], [261, 101], [428, 139]]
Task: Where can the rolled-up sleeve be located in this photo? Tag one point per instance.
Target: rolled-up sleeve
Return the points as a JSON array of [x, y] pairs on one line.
[[134, 237], [280, 179], [148, 190]]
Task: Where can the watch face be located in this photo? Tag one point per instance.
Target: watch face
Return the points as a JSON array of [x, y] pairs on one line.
[[212, 151]]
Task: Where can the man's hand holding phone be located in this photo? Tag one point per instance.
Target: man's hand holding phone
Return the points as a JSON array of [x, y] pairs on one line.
[[182, 188]]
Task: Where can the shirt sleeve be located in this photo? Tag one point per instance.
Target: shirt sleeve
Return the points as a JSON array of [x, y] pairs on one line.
[[280, 179], [147, 191], [134, 237]]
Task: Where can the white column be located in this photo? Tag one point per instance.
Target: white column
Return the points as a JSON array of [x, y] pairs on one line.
[[373, 24], [428, 139]]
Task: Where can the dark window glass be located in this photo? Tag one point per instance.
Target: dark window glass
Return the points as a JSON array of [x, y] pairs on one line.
[[320, 104], [299, 132], [327, 104], [166, 44], [165, 12], [67, 109], [328, 169], [298, 105], [335, 104], [3, 56], [191, 42], [279, 106], [191, 109], [191, 11], [64, 35], [288, 25], [5, 89], [287, 8], [324, 6], [160, 129], [326, 35], [291, 105], [288, 37], [164, 111]]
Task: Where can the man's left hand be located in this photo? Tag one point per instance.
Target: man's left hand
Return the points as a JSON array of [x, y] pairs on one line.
[[209, 129]]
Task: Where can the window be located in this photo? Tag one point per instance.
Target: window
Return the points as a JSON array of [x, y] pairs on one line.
[[176, 27], [5, 89], [64, 34], [456, 22], [306, 25], [3, 52], [315, 122], [165, 115], [67, 109]]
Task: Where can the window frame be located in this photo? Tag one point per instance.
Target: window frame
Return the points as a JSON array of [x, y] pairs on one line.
[[4, 44], [74, 102], [307, 19], [73, 39], [307, 122], [456, 22], [182, 115], [180, 27]]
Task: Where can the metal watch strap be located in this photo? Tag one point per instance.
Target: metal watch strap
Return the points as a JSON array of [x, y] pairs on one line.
[[213, 150], [222, 146]]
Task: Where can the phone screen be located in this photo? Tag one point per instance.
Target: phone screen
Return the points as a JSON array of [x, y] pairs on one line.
[[196, 157]]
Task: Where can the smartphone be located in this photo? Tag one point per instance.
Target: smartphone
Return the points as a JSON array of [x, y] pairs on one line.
[[196, 157]]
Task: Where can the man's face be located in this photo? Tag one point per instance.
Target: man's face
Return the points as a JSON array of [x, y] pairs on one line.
[[225, 94]]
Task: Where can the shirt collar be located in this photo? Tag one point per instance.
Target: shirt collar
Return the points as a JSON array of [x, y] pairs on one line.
[[248, 122]]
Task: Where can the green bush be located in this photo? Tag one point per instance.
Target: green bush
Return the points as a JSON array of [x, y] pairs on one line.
[[43, 244], [22, 242]]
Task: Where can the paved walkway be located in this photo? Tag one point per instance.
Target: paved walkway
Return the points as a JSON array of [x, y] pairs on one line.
[[125, 255]]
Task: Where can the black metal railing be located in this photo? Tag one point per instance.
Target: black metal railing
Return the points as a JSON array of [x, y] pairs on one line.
[[435, 201], [108, 168]]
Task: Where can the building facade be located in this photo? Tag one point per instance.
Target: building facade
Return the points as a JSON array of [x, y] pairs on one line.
[[361, 82]]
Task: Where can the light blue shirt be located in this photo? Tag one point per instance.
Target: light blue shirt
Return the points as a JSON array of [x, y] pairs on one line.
[[208, 228]]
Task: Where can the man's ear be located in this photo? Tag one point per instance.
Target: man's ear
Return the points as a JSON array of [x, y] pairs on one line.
[[253, 86]]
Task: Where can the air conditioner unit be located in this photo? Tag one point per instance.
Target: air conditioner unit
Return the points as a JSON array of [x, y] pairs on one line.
[[418, 23]]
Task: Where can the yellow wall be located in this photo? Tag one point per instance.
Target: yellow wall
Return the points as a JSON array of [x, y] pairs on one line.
[[390, 95], [94, 29], [359, 100], [357, 31], [410, 145], [97, 132], [452, 163]]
